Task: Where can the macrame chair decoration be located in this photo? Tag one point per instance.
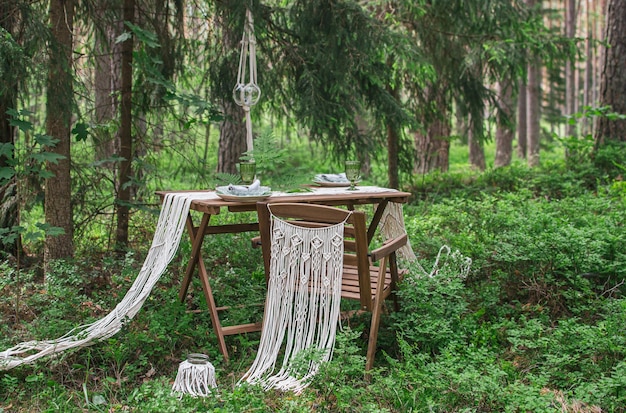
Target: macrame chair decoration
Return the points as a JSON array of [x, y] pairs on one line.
[[302, 304], [360, 278], [247, 93]]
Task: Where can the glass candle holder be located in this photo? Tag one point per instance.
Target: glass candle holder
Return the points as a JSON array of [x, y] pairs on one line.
[[247, 171], [197, 358]]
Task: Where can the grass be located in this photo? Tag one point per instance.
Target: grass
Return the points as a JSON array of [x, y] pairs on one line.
[[536, 326]]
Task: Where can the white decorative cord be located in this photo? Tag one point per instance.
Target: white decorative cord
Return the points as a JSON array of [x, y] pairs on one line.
[[392, 224]]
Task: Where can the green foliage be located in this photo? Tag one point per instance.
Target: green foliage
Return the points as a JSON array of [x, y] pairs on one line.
[[432, 311], [13, 62], [340, 384], [536, 326], [27, 165]]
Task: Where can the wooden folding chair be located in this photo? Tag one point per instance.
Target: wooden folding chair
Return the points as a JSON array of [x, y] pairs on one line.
[[368, 276]]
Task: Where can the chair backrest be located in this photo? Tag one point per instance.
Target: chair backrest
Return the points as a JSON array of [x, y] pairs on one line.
[[311, 215]]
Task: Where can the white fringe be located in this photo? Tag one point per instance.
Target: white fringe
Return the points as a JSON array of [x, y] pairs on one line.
[[194, 379]]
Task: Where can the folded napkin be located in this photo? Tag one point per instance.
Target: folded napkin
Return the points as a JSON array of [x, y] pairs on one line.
[[245, 189], [331, 177]]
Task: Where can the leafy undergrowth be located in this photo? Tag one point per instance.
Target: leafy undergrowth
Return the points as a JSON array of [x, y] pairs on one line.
[[536, 326]]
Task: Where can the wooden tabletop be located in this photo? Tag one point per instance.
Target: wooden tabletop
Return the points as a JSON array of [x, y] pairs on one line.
[[326, 196]]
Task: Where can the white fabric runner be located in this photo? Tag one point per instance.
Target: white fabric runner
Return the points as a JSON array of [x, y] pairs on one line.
[[167, 236]]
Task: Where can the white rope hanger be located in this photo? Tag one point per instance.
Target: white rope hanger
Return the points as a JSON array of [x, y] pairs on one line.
[[247, 93]]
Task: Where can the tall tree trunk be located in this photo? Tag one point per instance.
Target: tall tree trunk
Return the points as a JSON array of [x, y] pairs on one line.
[[613, 82], [59, 96], [476, 151], [393, 139], [126, 139], [433, 148], [232, 143], [570, 71], [533, 113], [505, 129], [522, 120], [392, 153], [8, 94], [588, 78], [107, 80], [599, 61]]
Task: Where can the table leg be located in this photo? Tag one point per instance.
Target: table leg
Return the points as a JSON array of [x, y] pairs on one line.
[[371, 230], [197, 236], [196, 247]]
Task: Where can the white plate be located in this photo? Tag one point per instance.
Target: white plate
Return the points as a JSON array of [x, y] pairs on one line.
[[263, 193], [331, 184], [245, 198]]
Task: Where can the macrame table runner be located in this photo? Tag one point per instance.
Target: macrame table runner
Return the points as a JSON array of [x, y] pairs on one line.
[[302, 305], [170, 227]]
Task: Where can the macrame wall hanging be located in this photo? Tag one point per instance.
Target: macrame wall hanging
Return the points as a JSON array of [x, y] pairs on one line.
[[392, 225], [302, 305], [246, 92]]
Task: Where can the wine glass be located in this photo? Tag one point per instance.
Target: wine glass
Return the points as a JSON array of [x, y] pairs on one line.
[[353, 173], [247, 170]]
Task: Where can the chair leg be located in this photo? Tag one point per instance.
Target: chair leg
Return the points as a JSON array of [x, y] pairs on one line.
[[373, 338], [376, 310]]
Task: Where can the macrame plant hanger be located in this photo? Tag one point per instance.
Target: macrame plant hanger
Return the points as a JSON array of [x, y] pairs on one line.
[[246, 92]]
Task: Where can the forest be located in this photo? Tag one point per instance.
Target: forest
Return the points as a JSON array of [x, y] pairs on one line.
[[504, 120]]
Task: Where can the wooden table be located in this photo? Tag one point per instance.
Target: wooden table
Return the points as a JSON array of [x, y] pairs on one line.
[[209, 207]]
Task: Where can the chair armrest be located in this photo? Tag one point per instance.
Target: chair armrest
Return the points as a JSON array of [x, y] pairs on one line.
[[388, 247]]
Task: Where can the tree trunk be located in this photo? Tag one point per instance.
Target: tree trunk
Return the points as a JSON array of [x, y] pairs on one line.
[[392, 153], [476, 151], [613, 82], [107, 81], [522, 120], [8, 192], [570, 72], [59, 95], [588, 78], [433, 148], [126, 139], [505, 129], [533, 113], [232, 142], [393, 139]]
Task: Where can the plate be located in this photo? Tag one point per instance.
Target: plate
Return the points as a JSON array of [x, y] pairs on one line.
[[332, 180], [331, 184], [263, 192]]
